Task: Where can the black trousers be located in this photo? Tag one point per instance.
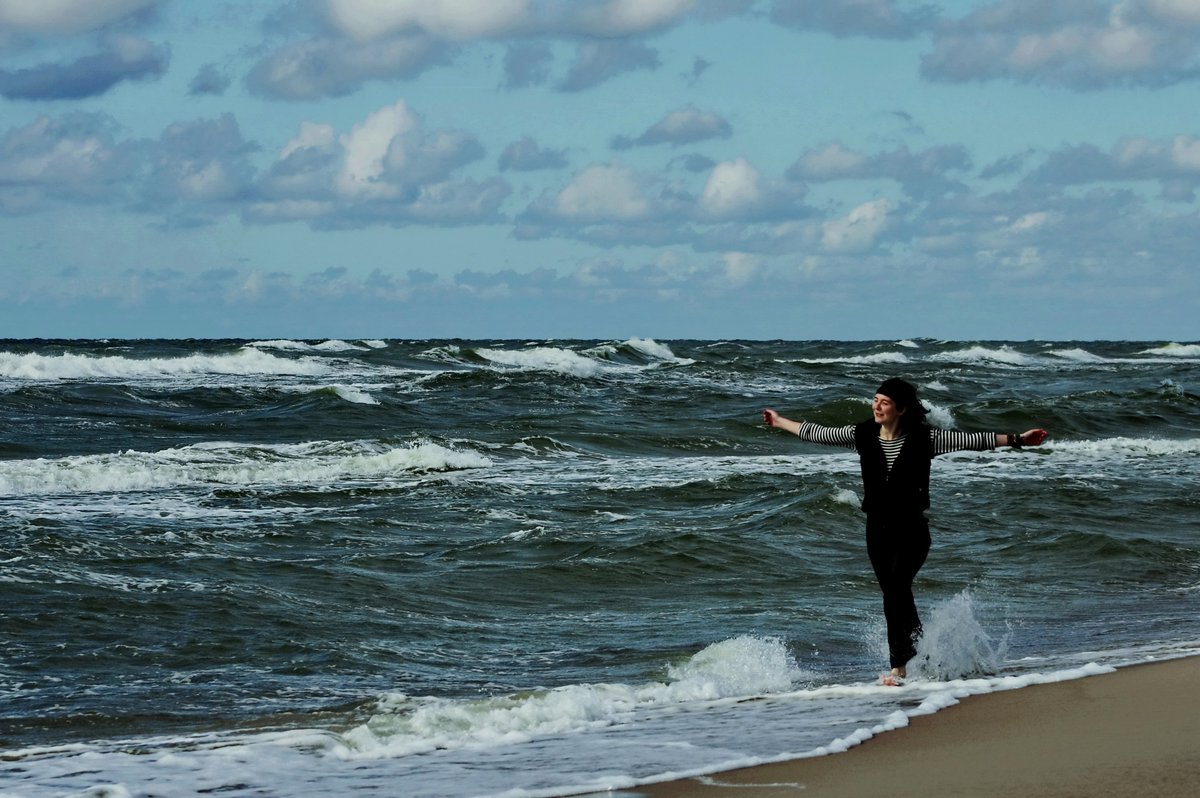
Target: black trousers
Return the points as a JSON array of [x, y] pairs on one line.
[[898, 548]]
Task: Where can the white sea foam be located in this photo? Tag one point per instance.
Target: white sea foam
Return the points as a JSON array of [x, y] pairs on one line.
[[877, 359], [1004, 355], [1077, 356], [315, 463], [737, 668], [655, 351], [354, 395], [332, 345], [588, 363], [544, 358], [1175, 350], [68, 366]]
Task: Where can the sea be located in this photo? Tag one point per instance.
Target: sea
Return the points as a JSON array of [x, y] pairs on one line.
[[537, 568]]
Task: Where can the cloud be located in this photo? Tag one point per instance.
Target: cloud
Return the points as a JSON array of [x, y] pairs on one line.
[[527, 64], [599, 61], [613, 205], [125, 58], [390, 154], [1083, 44], [629, 17], [1174, 164], [73, 157], [858, 230], [199, 164], [685, 126], [526, 156], [732, 187], [602, 192], [357, 41], [333, 67], [67, 17], [363, 20], [922, 173], [388, 168], [882, 19], [209, 80]]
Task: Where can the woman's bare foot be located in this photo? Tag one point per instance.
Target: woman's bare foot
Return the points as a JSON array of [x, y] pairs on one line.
[[895, 678]]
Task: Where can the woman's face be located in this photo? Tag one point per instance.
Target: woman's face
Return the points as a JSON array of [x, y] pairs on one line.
[[885, 410]]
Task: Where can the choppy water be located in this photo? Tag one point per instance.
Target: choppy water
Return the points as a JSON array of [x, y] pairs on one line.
[[453, 568]]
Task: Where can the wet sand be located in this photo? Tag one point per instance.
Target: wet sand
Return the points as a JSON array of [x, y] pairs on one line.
[[1135, 732]]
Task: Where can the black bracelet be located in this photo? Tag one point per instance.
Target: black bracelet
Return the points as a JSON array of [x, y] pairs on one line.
[[1014, 440]]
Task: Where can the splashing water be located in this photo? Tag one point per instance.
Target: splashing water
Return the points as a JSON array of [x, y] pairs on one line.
[[955, 645]]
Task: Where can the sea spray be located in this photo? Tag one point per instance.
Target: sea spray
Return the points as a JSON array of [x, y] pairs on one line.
[[955, 644]]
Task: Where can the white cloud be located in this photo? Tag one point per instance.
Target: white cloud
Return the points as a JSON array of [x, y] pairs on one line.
[[66, 17], [451, 19], [629, 17], [1185, 153], [323, 67], [1085, 45], [741, 268], [602, 192], [365, 149], [858, 230], [1187, 11], [685, 126], [732, 186], [311, 136], [830, 162]]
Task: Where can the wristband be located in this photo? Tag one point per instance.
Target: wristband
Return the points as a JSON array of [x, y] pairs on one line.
[[1014, 440]]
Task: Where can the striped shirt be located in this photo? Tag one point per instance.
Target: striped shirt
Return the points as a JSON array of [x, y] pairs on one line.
[[943, 441]]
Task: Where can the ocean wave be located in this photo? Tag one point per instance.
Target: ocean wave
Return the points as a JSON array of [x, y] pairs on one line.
[[975, 355], [1129, 447], [543, 358], [349, 393], [731, 669], [879, 358], [1078, 355], [632, 355], [332, 345], [1174, 350], [221, 464], [68, 366], [641, 351]]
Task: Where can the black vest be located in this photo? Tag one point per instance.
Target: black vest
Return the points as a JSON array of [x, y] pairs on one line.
[[904, 491]]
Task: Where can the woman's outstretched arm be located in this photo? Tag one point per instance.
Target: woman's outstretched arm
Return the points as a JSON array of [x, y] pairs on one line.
[[773, 419]]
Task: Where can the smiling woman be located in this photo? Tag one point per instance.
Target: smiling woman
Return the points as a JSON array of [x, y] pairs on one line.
[[895, 448]]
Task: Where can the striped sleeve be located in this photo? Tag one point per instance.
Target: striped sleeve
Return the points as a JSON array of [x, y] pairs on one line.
[[827, 436], [952, 440]]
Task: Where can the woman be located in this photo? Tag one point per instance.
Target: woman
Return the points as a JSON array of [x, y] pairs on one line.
[[895, 448]]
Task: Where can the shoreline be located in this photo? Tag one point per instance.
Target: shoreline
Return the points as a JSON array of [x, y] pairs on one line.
[[1132, 732]]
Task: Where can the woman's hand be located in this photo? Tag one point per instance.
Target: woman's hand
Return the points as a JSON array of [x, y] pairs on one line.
[[1034, 437], [773, 419]]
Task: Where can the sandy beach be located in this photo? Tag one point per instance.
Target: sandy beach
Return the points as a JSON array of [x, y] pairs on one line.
[[1135, 732]]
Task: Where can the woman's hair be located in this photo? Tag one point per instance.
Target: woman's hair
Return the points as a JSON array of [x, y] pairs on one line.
[[904, 394]]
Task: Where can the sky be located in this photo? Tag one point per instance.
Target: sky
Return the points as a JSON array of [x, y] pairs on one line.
[[538, 169]]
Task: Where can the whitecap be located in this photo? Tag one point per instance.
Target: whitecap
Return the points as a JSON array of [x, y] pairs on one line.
[[68, 366], [1174, 350], [316, 463], [982, 354], [731, 669], [543, 358]]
